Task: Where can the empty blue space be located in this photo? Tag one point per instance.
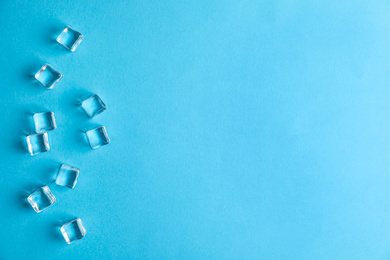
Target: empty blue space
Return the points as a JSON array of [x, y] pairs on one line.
[[239, 129]]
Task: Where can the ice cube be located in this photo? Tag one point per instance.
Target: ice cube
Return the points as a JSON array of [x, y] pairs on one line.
[[93, 105], [48, 76], [73, 231], [38, 143], [41, 199], [70, 38], [97, 137], [44, 122], [67, 176]]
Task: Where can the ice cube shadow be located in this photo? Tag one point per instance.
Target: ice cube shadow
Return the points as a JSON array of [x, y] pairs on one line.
[[77, 119], [72, 102], [54, 229], [31, 84], [54, 233], [49, 33], [19, 131], [47, 172]]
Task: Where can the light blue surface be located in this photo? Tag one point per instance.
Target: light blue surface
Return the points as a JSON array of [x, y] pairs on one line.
[[239, 129]]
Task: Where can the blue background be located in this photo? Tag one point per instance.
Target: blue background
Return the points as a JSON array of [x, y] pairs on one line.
[[239, 129]]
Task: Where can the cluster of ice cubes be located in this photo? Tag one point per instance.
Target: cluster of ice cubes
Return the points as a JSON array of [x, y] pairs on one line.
[[43, 198], [44, 122]]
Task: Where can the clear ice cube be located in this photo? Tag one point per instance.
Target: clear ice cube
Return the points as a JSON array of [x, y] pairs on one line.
[[97, 137], [41, 199], [38, 143], [67, 176], [44, 122], [48, 76], [70, 38], [73, 231], [93, 105]]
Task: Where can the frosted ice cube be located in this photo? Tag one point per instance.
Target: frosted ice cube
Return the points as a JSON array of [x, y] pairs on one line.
[[38, 143], [44, 122], [70, 38], [41, 199], [67, 176], [48, 76], [73, 231], [93, 105], [97, 137]]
